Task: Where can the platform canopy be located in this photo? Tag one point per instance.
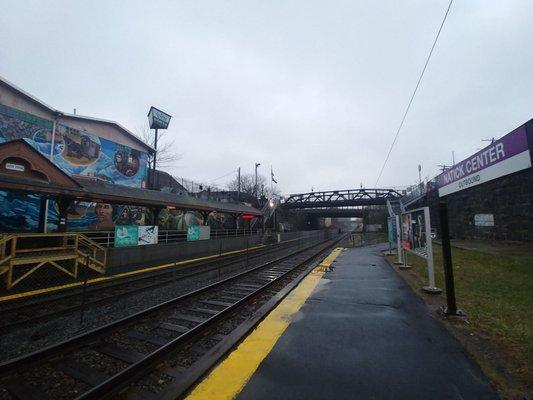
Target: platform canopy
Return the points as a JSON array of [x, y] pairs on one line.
[[23, 169]]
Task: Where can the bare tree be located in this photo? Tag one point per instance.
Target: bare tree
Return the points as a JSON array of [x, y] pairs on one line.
[[165, 147], [248, 185]]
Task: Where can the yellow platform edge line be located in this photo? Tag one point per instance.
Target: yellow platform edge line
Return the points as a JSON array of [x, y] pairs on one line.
[[124, 274], [230, 376]]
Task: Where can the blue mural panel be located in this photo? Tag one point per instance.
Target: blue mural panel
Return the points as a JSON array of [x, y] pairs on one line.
[[81, 153], [87, 216], [77, 153], [18, 212]]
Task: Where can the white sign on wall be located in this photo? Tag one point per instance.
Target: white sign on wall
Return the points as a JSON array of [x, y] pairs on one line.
[[148, 234], [484, 219], [15, 167]]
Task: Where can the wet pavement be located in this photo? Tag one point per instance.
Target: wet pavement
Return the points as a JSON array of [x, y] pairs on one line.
[[363, 334]]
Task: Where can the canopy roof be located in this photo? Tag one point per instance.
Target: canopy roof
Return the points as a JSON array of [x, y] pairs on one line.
[[36, 174]]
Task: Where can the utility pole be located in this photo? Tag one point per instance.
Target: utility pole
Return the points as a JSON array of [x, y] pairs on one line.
[[255, 184], [239, 184], [419, 174]]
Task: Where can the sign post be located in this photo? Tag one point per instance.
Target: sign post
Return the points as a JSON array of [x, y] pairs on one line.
[[157, 119], [398, 241], [451, 306], [391, 233]]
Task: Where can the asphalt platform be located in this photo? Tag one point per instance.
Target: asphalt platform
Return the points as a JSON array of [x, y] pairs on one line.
[[364, 334]]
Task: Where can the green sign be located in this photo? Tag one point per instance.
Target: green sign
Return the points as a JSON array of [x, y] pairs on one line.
[[193, 233], [126, 235]]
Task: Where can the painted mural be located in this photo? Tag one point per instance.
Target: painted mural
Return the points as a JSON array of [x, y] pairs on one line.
[[81, 153], [182, 220], [76, 153], [85, 216], [178, 219], [18, 212]]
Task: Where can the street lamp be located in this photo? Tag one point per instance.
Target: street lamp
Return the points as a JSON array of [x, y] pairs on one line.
[[157, 120], [255, 185]]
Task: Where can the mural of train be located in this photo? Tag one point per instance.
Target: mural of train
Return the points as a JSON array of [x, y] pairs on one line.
[[87, 147]]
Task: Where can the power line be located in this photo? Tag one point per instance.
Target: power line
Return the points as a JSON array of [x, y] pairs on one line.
[[223, 176], [414, 92]]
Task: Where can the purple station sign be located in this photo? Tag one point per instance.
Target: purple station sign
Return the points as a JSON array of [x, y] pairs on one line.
[[502, 157]]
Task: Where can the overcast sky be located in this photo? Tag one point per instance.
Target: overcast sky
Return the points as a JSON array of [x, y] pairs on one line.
[[315, 88]]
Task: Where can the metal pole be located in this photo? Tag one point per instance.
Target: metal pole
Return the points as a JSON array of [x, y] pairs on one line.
[[219, 257], [398, 240], [247, 244], [447, 259], [83, 294], [255, 185], [255, 182], [271, 183], [154, 178], [239, 185]]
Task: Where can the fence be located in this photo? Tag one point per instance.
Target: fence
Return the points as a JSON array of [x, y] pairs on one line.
[[196, 187], [107, 238]]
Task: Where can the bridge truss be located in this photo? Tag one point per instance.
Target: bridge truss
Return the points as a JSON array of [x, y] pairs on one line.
[[341, 198]]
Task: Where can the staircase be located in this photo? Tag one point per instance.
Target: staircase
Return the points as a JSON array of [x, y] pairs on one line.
[[395, 207], [267, 211], [21, 255]]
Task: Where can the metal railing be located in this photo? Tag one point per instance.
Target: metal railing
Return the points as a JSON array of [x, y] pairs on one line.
[[268, 210], [107, 238], [26, 253]]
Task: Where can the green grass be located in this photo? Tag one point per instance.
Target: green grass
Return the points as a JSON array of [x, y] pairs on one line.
[[496, 292]]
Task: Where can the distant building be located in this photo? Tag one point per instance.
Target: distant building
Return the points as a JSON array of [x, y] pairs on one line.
[[165, 182]]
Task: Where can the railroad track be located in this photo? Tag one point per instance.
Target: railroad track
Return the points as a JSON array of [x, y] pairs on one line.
[[151, 354], [49, 307]]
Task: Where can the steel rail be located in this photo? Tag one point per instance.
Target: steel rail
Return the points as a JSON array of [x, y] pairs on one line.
[[233, 258], [15, 364], [122, 379]]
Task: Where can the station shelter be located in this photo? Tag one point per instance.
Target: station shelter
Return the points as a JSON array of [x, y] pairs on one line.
[[65, 176]]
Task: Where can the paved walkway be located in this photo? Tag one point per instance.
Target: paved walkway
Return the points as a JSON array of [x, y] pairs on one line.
[[363, 334]]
